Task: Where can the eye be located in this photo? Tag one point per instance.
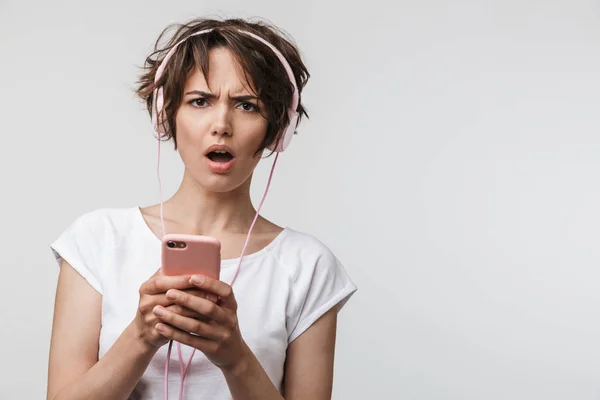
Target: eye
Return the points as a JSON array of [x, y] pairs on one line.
[[201, 102], [249, 106]]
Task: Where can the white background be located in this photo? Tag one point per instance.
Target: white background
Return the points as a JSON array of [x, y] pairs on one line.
[[451, 162]]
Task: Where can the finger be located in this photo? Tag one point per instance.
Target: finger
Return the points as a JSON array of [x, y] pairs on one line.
[[186, 312], [221, 289], [160, 284], [202, 293], [147, 303], [197, 342], [200, 328], [198, 304], [198, 293]]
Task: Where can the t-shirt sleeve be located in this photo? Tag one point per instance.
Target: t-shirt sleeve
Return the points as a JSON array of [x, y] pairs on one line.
[[318, 287], [74, 245]]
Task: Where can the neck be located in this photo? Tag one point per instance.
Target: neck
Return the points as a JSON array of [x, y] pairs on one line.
[[196, 210]]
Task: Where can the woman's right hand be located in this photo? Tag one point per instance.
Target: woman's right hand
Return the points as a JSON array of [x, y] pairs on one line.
[[153, 293]]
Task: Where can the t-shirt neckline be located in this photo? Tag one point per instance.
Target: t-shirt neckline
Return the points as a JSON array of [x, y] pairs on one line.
[[224, 263]]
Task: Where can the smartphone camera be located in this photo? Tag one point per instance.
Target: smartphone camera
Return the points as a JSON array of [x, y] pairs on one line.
[[170, 244]]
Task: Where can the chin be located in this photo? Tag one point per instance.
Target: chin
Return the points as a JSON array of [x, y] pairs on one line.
[[220, 183]]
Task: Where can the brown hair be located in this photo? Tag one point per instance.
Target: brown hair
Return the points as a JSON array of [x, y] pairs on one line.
[[262, 69]]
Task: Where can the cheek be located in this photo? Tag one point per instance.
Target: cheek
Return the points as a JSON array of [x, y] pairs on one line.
[[250, 148], [256, 136], [189, 129]]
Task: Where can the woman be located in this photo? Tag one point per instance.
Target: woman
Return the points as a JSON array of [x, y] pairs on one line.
[[222, 95]]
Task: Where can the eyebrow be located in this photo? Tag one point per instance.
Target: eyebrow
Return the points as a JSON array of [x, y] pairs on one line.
[[212, 96]]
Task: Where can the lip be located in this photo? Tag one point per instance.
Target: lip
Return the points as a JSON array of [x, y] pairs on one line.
[[219, 167], [220, 147]]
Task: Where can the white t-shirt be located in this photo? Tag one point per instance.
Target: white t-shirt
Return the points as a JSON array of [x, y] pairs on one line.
[[281, 291]]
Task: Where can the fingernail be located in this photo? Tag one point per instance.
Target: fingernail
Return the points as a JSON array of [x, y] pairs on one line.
[[159, 311], [197, 279], [173, 295]]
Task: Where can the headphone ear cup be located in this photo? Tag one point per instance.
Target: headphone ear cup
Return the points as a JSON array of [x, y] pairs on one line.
[[288, 134], [160, 115]]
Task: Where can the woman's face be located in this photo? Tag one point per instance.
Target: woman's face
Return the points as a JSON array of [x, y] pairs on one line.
[[219, 126]]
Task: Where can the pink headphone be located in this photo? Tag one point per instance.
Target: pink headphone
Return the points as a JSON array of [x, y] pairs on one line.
[[157, 111], [158, 121]]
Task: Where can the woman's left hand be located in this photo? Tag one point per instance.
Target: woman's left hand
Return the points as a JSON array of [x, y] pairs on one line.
[[219, 338]]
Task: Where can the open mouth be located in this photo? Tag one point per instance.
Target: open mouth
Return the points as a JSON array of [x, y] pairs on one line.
[[220, 156]]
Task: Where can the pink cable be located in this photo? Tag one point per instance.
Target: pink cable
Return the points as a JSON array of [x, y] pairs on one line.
[[160, 193], [167, 370], [255, 218], [183, 370]]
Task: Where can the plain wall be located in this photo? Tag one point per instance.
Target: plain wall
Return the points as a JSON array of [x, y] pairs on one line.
[[450, 161]]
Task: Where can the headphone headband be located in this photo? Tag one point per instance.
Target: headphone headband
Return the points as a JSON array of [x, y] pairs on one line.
[[158, 103]]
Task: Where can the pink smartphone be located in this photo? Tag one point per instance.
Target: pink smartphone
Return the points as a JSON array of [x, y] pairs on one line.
[[191, 254]]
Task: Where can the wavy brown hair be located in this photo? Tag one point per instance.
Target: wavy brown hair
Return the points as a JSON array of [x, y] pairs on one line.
[[265, 75]]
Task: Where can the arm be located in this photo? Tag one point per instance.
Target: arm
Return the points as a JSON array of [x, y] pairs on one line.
[[309, 363], [74, 371], [308, 368]]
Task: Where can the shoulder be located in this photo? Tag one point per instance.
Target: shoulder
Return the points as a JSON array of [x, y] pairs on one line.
[[108, 215], [318, 280], [104, 224], [300, 252], [294, 243]]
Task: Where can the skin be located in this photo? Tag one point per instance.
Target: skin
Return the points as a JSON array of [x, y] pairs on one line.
[[206, 203]]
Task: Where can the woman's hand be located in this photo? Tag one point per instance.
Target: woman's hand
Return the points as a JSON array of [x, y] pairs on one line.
[[152, 294], [219, 337]]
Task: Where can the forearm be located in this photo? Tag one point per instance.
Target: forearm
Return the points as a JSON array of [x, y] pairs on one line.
[[115, 375], [248, 380]]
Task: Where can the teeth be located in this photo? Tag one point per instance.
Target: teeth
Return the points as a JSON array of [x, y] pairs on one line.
[[220, 151]]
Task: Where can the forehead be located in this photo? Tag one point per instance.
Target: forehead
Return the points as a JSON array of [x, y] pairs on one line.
[[224, 73]]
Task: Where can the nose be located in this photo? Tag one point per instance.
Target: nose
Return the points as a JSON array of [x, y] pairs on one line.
[[221, 125]]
